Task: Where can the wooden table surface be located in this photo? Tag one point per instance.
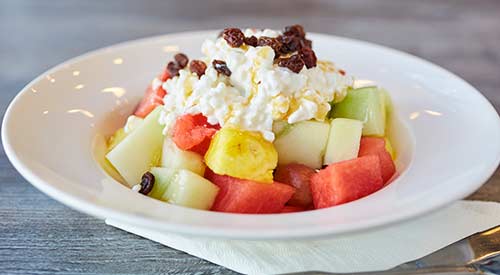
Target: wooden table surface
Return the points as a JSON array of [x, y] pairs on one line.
[[41, 236]]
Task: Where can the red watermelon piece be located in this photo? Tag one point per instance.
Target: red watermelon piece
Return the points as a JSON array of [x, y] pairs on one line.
[[376, 146], [250, 197], [151, 99], [292, 209], [298, 176], [193, 133], [164, 75], [346, 181]]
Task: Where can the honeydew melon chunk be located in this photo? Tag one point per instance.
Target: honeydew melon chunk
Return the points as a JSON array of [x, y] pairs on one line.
[[163, 177], [367, 105], [175, 158], [389, 148], [116, 138], [389, 107], [280, 127], [139, 150], [343, 141], [304, 142], [133, 122], [191, 190]]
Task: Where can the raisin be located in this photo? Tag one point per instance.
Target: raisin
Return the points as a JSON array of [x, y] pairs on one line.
[[251, 41], [306, 43], [147, 183], [294, 63], [272, 42], [182, 60], [290, 44], [198, 67], [233, 36], [295, 30], [309, 57], [173, 69], [221, 67]]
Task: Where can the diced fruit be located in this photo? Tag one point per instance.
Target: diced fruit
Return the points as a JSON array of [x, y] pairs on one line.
[[139, 151], [343, 141], [389, 107], [304, 142], [164, 75], [116, 138], [280, 127], [367, 105], [132, 123], [194, 133], [389, 148], [292, 209], [163, 177], [346, 181], [246, 196], [376, 146], [191, 190], [175, 158], [152, 99], [242, 154], [298, 176]]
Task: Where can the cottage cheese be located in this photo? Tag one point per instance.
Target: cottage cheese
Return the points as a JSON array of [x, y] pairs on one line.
[[256, 94]]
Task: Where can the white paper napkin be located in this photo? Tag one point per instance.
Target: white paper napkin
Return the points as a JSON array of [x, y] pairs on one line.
[[375, 250]]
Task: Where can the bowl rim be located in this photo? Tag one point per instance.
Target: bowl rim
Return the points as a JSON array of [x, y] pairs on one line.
[[82, 205]]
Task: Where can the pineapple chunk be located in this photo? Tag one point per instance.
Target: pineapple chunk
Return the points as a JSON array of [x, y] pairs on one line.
[[242, 154]]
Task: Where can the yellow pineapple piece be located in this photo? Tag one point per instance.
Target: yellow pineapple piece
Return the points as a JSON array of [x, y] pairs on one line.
[[242, 154]]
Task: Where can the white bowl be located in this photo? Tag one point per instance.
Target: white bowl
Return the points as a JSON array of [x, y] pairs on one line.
[[447, 136]]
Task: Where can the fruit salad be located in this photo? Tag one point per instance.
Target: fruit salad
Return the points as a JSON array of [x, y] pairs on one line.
[[258, 124]]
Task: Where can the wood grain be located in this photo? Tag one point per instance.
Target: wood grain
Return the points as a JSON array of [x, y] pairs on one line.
[[40, 236]]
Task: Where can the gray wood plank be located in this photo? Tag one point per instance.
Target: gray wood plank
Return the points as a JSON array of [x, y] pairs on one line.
[[41, 236]]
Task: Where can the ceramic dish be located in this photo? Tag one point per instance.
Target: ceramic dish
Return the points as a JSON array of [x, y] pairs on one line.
[[53, 133]]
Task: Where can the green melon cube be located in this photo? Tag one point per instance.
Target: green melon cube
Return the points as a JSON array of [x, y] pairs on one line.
[[366, 104], [140, 150], [303, 142], [343, 141], [191, 190], [163, 177], [175, 158]]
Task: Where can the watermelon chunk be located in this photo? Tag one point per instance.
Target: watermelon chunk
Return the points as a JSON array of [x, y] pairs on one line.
[[376, 146], [298, 176], [193, 133], [346, 181], [151, 99], [250, 197], [292, 209]]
